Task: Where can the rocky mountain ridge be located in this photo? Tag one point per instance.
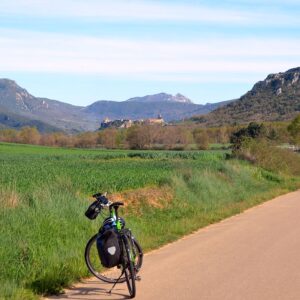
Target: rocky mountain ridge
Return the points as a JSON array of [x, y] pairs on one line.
[[18, 108], [277, 98], [162, 97], [275, 83]]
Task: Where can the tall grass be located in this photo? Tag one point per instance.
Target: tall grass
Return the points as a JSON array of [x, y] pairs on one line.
[[43, 233], [270, 157], [42, 240], [207, 195]]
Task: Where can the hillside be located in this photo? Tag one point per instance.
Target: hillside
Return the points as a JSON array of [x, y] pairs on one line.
[[10, 120], [277, 98], [19, 108], [19, 105], [141, 110]]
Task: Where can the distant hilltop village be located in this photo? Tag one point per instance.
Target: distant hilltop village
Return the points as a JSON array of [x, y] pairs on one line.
[[126, 123]]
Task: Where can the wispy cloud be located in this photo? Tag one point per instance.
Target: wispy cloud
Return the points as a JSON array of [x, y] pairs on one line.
[[134, 10], [57, 53]]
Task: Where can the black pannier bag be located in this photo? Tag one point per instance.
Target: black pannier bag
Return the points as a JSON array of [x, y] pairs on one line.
[[93, 210], [109, 248]]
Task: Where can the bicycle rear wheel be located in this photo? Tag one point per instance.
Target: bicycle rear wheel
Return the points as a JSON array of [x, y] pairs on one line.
[[109, 275]]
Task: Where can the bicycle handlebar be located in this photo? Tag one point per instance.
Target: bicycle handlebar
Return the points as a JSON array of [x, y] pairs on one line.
[[105, 202], [101, 202], [101, 198]]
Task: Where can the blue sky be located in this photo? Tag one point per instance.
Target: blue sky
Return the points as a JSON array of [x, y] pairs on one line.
[[80, 51]]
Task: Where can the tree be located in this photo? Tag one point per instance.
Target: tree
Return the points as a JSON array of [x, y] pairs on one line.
[[168, 137], [253, 131], [86, 140], [294, 130], [222, 135], [9, 135], [120, 139], [29, 135], [184, 136], [63, 140], [48, 139], [138, 137], [201, 138], [108, 138]]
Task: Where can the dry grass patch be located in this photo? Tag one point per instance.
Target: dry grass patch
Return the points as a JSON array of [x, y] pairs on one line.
[[9, 198], [224, 177], [158, 197]]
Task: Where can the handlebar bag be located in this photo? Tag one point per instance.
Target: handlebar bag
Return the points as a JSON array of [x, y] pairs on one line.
[[109, 248], [93, 210]]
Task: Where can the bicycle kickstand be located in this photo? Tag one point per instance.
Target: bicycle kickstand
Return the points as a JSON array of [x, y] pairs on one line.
[[109, 292]]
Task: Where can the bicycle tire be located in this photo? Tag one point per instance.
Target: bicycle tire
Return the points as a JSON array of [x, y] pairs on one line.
[[139, 255], [94, 265], [128, 267]]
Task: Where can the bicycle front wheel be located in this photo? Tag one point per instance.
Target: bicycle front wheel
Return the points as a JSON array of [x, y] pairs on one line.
[[93, 263], [109, 275], [128, 267]]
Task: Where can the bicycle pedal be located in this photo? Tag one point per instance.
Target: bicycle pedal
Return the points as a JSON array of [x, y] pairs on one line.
[[138, 278]]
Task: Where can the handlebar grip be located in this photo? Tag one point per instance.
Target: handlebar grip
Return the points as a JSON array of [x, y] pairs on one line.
[[97, 195], [101, 198]]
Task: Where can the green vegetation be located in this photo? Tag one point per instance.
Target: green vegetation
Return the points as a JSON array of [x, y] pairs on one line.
[[12, 120], [269, 156], [139, 137], [43, 197], [255, 144], [294, 129], [252, 131], [277, 98], [182, 136]]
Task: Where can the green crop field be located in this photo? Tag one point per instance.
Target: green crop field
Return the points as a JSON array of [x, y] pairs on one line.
[[26, 167], [44, 191]]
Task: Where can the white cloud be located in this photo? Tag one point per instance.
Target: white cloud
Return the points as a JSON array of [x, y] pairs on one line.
[[134, 10], [173, 61]]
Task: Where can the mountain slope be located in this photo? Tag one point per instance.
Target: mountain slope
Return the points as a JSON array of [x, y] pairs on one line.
[[170, 110], [277, 98], [23, 107], [10, 120], [19, 108]]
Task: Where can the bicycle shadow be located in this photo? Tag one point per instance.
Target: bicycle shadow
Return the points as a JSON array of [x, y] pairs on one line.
[[93, 289]]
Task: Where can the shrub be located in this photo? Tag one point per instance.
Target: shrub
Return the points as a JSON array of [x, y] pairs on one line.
[[294, 130], [269, 156], [201, 139], [138, 137], [254, 130]]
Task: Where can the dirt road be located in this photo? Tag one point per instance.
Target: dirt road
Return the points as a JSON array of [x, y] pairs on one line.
[[254, 255]]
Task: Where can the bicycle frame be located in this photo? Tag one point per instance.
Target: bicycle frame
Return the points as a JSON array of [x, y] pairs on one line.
[[114, 214]]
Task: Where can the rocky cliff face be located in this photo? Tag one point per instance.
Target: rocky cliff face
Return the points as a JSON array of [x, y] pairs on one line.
[[13, 96], [277, 98], [278, 84]]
